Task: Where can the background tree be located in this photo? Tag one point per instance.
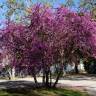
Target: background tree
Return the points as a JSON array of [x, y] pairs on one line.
[[87, 5], [90, 66]]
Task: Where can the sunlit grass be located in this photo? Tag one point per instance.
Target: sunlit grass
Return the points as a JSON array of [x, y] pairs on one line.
[[41, 92]]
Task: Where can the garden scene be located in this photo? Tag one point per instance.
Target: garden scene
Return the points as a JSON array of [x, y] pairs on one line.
[[47, 47]]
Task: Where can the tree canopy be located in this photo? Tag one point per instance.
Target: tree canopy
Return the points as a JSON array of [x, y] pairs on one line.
[[51, 37]]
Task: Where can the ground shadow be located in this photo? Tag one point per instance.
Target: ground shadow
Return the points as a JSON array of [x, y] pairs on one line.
[[18, 88], [17, 84], [28, 88]]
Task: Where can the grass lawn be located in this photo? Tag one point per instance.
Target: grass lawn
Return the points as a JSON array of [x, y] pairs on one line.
[[41, 92]]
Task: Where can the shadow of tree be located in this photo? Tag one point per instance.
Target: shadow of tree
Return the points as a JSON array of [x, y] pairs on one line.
[[41, 92], [18, 88], [28, 88], [17, 84]]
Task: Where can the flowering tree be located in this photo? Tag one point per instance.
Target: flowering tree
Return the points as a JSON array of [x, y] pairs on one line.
[[52, 37]]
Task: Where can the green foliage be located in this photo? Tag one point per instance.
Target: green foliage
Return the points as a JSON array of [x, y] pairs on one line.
[[90, 66], [69, 3], [87, 5]]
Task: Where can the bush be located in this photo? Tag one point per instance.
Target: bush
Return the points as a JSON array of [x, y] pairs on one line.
[[90, 66]]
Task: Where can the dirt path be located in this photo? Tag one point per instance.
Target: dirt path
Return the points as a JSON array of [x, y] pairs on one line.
[[83, 83], [87, 84]]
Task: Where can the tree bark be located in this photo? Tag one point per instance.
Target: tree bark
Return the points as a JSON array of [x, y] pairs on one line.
[[35, 79], [50, 78], [9, 72], [13, 73], [34, 76], [61, 68], [59, 74], [76, 69], [47, 78], [43, 77]]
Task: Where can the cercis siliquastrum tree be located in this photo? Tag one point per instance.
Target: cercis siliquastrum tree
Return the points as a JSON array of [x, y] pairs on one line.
[[78, 35], [52, 37]]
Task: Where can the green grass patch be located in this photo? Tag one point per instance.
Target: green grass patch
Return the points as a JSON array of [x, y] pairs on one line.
[[41, 92]]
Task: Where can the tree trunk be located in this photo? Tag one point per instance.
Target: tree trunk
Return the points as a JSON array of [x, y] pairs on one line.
[[47, 78], [9, 74], [13, 73], [50, 78], [59, 74], [76, 69], [43, 70], [61, 68], [35, 79]]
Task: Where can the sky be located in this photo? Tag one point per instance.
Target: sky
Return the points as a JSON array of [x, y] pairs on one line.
[[2, 10], [55, 4]]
